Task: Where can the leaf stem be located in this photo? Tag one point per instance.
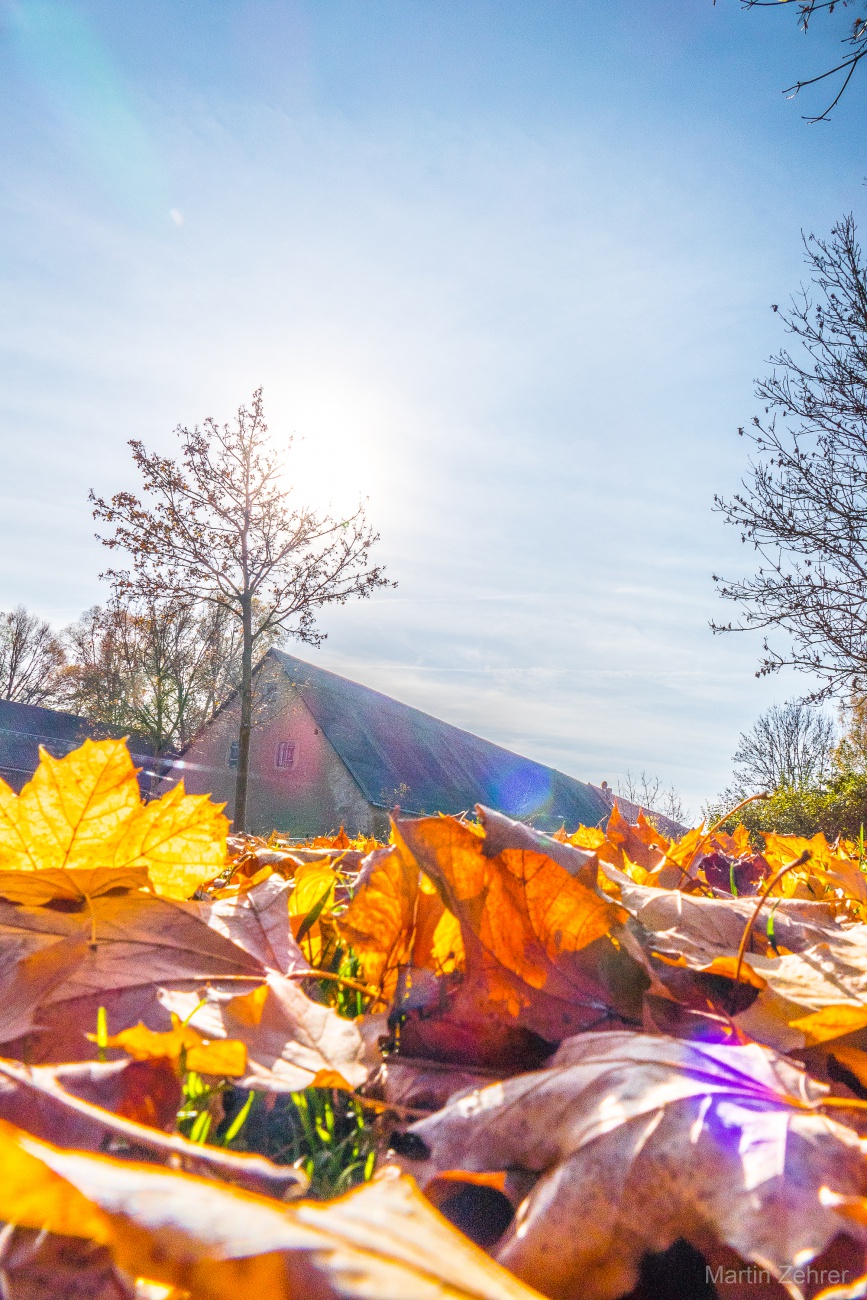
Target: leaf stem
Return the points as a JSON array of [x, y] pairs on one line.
[[778, 875], [313, 973], [90, 908]]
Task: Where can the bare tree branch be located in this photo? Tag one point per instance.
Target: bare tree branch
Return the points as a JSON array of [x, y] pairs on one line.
[[218, 528], [803, 506], [855, 37], [789, 747], [31, 659]]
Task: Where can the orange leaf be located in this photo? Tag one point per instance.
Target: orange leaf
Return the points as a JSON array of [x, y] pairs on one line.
[[397, 919], [641, 843], [830, 1022], [528, 926], [223, 1056], [218, 1242]]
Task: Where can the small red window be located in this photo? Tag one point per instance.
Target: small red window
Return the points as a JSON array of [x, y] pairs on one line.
[[285, 754]]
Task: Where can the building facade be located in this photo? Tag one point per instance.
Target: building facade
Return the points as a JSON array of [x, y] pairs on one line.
[[326, 752]]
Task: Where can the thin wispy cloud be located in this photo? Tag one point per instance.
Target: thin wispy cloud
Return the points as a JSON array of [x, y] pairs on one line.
[[504, 272]]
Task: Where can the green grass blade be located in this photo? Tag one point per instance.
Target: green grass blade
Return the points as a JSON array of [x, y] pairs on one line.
[[240, 1119]]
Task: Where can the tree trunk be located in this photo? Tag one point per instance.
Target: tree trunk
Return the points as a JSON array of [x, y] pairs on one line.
[[239, 823]]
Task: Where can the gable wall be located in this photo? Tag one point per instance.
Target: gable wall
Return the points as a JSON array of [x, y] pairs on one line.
[[316, 795]]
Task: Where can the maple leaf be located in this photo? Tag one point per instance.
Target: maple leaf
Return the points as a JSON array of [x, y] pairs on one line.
[[830, 871], [147, 1092], [811, 970], [180, 839], [397, 920], [29, 974], [730, 875], [138, 941], [79, 828], [644, 1140], [257, 920], [218, 1242], [587, 837], [538, 945], [155, 956], [641, 844], [501, 832], [426, 1084]]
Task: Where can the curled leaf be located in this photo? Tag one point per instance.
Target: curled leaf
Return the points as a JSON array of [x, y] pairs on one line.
[[219, 1243], [644, 1140]]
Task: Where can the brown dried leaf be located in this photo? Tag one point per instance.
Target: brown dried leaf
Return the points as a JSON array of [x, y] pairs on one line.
[[289, 1038], [28, 979], [70, 1107], [644, 1140], [219, 1243], [257, 920], [816, 976], [139, 939]]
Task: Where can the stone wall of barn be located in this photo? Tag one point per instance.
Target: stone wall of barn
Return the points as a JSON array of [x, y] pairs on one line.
[[298, 783]]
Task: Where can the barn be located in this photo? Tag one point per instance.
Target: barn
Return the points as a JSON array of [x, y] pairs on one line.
[[327, 752]]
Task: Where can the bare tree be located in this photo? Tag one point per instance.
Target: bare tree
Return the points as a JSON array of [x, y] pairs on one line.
[[31, 659], [98, 684], [220, 530], [159, 669], [803, 506], [854, 40], [790, 747], [648, 792]]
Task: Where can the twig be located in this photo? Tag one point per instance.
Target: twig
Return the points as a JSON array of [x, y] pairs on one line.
[[778, 875], [339, 979], [764, 794]]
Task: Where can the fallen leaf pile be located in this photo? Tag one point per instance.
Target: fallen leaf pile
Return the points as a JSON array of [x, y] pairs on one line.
[[561, 1060]]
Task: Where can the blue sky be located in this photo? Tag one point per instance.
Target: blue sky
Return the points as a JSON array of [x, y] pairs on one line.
[[504, 270]]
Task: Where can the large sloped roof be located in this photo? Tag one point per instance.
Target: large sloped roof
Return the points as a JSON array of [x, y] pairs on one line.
[[24, 727], [399, 755]]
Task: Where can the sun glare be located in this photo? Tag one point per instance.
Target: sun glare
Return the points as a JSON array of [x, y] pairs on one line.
[[344, 433]]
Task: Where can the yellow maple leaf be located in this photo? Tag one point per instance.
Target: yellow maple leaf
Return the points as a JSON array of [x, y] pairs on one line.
[[223, 1056], [180, 838], [587, 837], [74, 810], [79, 828]]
